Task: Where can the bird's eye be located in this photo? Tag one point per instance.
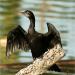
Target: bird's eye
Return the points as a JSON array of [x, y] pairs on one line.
[[27, 12]]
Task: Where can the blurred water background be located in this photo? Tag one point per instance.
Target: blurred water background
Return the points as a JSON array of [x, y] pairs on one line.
[[61, 13]]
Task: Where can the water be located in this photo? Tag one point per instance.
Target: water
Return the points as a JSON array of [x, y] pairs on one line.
[[61, 13], [11, 71]]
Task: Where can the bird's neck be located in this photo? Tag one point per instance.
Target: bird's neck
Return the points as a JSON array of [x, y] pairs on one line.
[[32, 23], [31, 27]]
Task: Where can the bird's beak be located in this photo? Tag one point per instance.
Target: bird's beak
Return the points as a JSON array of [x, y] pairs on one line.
[[23, 13]]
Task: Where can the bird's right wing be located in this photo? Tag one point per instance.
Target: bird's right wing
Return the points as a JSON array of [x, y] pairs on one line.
[[16, 38]]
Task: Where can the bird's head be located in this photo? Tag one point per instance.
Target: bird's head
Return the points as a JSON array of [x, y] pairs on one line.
[[29, 14]]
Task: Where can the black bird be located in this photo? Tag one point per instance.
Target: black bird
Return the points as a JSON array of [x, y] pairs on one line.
[[38, 43]]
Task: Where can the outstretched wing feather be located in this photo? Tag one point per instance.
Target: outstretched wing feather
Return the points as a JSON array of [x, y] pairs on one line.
[[53, 35], [17, 38]]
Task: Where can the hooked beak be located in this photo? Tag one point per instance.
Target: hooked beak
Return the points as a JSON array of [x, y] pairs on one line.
[[23, 13]]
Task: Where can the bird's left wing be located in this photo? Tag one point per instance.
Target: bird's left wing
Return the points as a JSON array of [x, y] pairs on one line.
[[53, 35], [16, 38]]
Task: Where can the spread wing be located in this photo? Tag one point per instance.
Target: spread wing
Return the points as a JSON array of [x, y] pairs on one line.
[[53, 35], [16, 38]]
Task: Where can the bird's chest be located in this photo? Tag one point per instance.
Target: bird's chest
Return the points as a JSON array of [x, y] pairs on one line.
[[35, 42]]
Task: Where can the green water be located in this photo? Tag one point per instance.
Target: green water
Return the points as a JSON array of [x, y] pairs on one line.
[[7, 72], [10, 71]]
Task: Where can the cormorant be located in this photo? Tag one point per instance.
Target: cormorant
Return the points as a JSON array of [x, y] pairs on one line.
[[38, 43]]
